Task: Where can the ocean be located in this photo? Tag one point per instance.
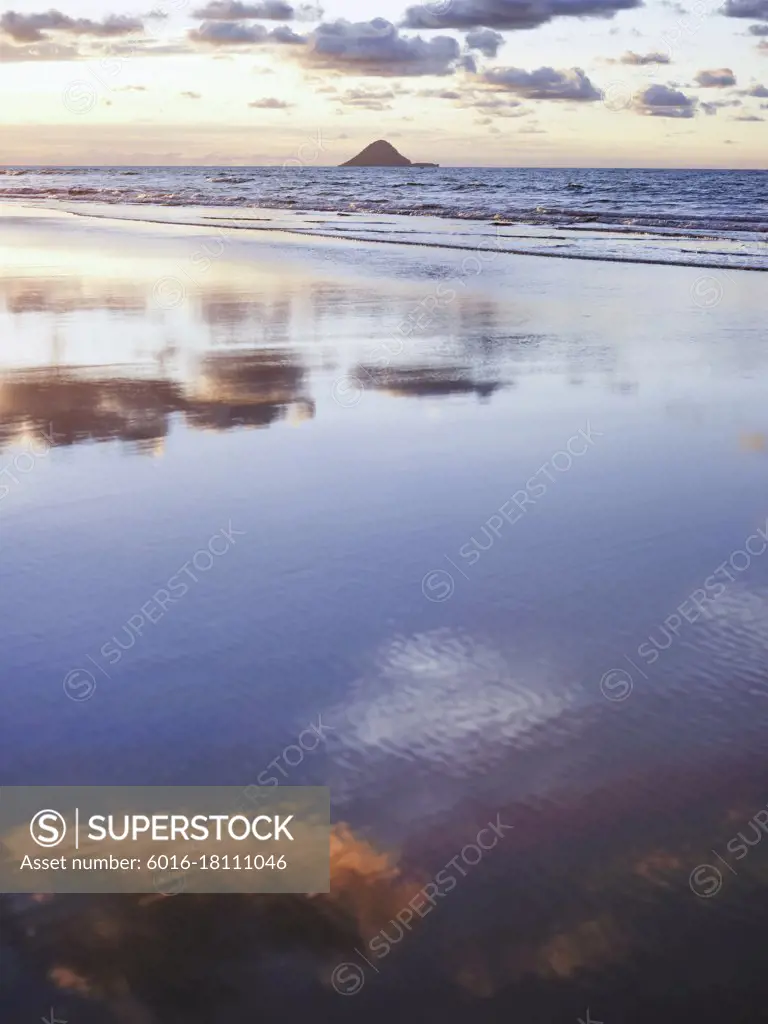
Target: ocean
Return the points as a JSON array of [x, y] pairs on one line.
[[685, 217]]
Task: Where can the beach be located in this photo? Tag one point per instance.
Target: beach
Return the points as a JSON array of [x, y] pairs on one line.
[[478, 538]]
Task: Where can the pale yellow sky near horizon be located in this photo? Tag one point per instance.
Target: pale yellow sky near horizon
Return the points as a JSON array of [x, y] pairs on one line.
[[266, 104]]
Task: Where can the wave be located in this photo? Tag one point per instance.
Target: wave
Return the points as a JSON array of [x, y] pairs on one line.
[[674, 258], [731, 227], [596, 211]]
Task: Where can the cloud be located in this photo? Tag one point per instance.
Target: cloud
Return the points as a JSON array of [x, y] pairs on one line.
[[758, 30], [493, 103], [643, 59], [37, 52], [191, 95], [368, 99], [31, 28], [270, 104], [755, 90], [510, 14], [233, 10], [485, 40], [483, 101], [230, 33], [543, 83], [662, 101], [748, 117], [755, 9], [377, 48], [284, 34], [441, 94], [711, 108], [719, 79]]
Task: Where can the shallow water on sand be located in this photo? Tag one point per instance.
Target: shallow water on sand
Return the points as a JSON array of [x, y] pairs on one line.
[[499, 535]]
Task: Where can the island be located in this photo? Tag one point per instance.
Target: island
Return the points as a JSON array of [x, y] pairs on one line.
[[382, 154]]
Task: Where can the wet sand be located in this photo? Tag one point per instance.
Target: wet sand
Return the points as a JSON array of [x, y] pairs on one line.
[[478, 503]]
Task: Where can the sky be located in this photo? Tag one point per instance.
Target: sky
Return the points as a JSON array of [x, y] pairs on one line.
[[547, 83]]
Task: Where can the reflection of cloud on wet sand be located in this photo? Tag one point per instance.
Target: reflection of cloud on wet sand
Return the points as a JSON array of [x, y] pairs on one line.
[[558, 912], [152, 948], [424, 381], [232, 390], [67, 295], [447, 698], [248, 389]]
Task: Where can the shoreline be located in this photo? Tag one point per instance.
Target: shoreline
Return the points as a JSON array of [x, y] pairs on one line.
[[123, 214]]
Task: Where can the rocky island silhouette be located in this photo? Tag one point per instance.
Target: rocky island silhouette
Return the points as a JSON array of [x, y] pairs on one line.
[[382, 154]]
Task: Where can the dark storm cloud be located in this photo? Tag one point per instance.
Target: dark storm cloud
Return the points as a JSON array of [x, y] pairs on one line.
[[376, 48], [663, 101], [485, 40], [758, 30], [543, 83], [31, 28], [720, 78], [510, 14]]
